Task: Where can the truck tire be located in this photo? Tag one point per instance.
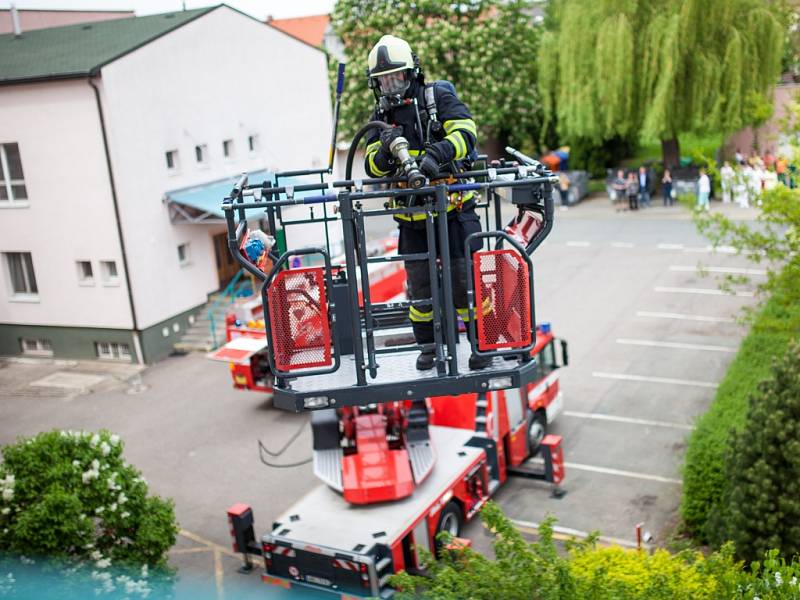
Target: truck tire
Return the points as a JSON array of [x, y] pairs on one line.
[[450, 520], [537, 429]]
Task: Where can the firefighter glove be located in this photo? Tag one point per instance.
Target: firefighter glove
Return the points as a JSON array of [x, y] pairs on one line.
[[388, 136], [436, 155]]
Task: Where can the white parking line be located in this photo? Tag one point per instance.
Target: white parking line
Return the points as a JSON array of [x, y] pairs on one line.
[[670, 246], [683, 317], [630, 420], [726, 270], [675, 345], [623, 244], [578, 244], [567, 533], [717, 250], [618, 472], [705, 291], [648, 379]]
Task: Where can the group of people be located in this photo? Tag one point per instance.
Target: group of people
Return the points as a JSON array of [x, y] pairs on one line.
[[745, 182], [636, 186]]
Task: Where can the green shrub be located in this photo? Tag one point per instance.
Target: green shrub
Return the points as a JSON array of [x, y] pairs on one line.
[[760, 506], [71, 494], [703, 473]]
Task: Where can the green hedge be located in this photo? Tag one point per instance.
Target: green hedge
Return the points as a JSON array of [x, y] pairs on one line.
[[774, 326]]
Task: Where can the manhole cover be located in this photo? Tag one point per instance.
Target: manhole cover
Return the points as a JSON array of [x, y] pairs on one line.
[[71, 381]]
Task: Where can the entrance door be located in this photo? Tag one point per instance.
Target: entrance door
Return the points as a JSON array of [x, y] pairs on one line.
[[227, 267]]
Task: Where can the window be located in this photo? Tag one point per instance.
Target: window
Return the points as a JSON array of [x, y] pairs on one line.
[[201, 154], [549, 356], [183, 254], [227, 148], [252, 143], [172, 160], [36, 347], [12, 181], [85, 273], [112, 350], [20, 272], [108, 269]]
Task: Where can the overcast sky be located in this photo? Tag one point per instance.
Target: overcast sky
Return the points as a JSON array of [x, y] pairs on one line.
[[279, 9]]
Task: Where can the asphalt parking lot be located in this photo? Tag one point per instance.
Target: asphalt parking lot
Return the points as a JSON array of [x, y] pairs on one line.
[[649, 337]]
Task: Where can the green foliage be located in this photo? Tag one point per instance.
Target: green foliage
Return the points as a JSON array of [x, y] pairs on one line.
[[594, 157], [771, 331], [760, 507], [658, 67], [70, 494], [538, 571], [486, 49]]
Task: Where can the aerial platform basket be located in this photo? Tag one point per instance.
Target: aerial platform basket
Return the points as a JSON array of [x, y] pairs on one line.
[[321, 324]]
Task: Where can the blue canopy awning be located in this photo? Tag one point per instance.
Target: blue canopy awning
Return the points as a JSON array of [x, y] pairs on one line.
[[203, 203]]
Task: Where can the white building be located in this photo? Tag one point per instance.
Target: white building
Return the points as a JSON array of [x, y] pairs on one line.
[[98, 124]]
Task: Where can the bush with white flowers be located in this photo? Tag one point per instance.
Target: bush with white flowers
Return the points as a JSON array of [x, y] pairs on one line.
[[71, 494]]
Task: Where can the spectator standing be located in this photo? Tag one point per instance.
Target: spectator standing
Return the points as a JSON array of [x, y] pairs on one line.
[[739, 156], [563, 188], [758, 182], [769, 159], [770, 179], [726, 177], [741, 186], [619, 187], [644, 187], [703, 190], [782, 170], [753, 183], [633, 192], [666, 182]]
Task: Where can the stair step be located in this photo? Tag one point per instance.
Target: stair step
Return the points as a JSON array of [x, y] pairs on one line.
[[193, 347]]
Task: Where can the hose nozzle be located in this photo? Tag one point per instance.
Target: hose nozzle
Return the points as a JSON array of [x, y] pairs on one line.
[[399, 149]]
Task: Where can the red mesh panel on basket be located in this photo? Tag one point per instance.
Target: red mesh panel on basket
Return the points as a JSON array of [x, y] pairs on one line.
[[502, 299], [298, 314]]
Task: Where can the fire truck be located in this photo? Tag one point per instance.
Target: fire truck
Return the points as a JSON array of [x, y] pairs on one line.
[[404, 454], [347, 538]]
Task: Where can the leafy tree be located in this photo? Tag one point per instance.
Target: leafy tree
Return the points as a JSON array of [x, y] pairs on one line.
[[70, 494], [761, 502], [486, 49], [658, 68]]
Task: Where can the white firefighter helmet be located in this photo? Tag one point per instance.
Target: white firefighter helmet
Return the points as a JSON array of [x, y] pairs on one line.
[[391, 66]]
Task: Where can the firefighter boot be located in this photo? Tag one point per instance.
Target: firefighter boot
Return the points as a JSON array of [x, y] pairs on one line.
[[477, 362], [426, 361]]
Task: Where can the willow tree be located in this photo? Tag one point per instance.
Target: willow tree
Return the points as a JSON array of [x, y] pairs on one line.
[[658, 68], [486, 49]]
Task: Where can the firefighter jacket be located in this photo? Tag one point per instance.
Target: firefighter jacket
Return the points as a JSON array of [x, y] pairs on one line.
[[457, 130]]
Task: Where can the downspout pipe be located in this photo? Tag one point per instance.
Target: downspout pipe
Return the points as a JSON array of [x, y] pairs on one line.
[[136, 339]]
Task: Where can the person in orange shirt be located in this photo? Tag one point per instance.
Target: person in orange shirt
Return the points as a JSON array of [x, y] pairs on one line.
[[782, 169]]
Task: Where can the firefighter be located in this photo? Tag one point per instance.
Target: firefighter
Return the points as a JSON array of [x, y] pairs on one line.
[[441, 133]]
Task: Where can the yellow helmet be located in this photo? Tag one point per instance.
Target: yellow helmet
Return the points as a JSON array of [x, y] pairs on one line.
[[391, 66]]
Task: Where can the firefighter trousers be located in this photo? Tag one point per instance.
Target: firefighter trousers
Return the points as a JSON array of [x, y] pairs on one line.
[[413, 240]]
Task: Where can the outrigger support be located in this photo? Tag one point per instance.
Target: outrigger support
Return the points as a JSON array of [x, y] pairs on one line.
[[319, 363]]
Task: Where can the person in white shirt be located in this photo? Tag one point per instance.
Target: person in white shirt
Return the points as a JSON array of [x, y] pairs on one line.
[[756, 184], [703, 190], [726, 176], [740, 186]]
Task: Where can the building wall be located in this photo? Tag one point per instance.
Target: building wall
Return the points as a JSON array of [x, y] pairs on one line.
[[222, 76], [69, 215], [768, 136], [66, 342]]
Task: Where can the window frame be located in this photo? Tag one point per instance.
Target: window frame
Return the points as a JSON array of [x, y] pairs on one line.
[[83, 279], [186, 260], [31, 291], [106, 278], [252, 144], [43, 347], [174, 157], [201, 155], [229, 149], [8, 183], [115, 351]]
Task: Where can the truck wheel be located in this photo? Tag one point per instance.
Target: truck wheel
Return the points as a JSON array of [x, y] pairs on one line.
[[449, 521], [537, 429]]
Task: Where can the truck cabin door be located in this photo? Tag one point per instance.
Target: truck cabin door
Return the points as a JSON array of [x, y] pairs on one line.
[[516, 440]]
